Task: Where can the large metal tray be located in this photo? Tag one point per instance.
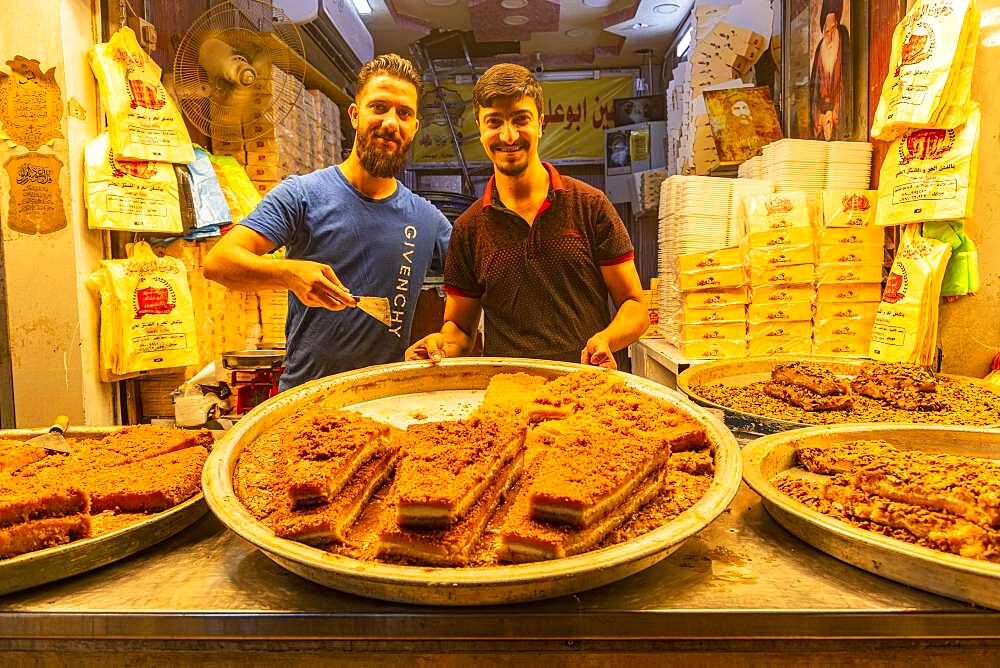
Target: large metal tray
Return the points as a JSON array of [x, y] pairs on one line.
[[54, 563], [416, 390], [957, 577], [744, 371]]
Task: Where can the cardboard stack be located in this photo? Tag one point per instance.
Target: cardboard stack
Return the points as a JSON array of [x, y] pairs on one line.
[[727, 39], [848, 273], [306, 139]]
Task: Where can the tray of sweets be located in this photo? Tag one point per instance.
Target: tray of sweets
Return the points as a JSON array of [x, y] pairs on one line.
[[734, 386], [919, 546], [411, 393], [113, 536]]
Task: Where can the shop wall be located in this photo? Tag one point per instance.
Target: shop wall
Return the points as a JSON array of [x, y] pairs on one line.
[[970, 327], [52, 317]]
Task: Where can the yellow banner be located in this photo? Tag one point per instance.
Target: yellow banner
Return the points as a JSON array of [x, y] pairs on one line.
[[576, 113]]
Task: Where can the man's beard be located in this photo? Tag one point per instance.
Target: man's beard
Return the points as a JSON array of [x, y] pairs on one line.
[[379, 162], [511, 169]]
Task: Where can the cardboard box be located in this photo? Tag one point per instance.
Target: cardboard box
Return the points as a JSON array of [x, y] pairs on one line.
[[716, 298], [717, 314], [263, 172], [849, 292], [727, 257], [849, 273], [773, 312], [714, 349], [772, 294], [724, 277], [781, 345], [793, 329], [831, 310], [844, 328], [792, 275], [841, 347], [732, 331]]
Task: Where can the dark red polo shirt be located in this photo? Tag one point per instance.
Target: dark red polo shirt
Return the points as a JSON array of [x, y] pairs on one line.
[[540, 285]]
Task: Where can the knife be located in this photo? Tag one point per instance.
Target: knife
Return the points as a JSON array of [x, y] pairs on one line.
[[54, 441], [376, 307]]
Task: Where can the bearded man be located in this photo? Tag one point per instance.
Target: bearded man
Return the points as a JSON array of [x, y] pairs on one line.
[[350, 229]]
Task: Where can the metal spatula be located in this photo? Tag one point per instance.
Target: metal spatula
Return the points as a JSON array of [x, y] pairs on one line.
[[376, 307], [54, 441]]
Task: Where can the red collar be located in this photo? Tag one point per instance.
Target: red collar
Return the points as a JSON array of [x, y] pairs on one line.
[[555, 183]]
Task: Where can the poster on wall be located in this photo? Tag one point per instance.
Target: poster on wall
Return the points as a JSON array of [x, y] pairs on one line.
[[575, 116], [825, 69]]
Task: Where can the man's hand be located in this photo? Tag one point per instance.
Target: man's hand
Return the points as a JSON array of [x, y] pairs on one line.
[[431, 347], [315, 284], [597, 352]]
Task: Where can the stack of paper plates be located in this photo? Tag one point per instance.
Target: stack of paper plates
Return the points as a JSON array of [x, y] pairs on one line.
[[848, 165]]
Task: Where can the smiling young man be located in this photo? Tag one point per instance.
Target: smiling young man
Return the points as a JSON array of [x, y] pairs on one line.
[[539, 253], [350, 229]]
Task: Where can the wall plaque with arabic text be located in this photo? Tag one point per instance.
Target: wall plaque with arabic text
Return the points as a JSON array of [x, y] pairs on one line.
[[36, 204], [30, 103]]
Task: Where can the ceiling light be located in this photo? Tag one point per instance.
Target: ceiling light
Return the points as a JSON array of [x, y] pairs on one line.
[[363, 6], [440, 3], [639, 26], [597, 3], [513, 4], [515, 20], [666, 8], [577, 32]]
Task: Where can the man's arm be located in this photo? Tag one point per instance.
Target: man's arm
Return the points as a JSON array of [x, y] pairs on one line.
[[458, 334], [236, 263], [629, 323]]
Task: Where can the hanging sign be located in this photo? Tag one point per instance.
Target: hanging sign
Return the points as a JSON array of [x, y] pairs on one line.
[[30, 103], [575, 116], [36, 204]]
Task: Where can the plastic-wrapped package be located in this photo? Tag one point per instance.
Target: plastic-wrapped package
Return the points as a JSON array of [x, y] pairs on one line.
[[143, 122], [147, 316], [905, 327], [930, 175], [130, 195], [930, 69], [210, 205]]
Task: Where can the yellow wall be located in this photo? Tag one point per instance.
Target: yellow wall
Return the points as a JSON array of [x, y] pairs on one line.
[[970, 327], [52, 317]]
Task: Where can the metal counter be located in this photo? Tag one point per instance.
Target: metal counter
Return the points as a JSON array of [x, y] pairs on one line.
[[743, 577]]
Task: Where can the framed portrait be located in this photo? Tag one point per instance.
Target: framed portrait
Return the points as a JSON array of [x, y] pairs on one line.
[[743, 121], [617, 155], [630, 110], [824, 46]]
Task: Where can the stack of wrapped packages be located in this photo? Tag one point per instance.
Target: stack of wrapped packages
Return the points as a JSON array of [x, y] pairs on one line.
[[713, 304], [928, 178], [849, 273], [779, 248]]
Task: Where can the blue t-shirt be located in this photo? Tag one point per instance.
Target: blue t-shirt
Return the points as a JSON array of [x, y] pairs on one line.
[[378, 248]]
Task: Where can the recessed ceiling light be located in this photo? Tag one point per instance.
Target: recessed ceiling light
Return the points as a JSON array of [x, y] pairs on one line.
[[577, 32], [515, 20], [513, 4], [639, 26], [440, 3], [666, 8], [597, 3]]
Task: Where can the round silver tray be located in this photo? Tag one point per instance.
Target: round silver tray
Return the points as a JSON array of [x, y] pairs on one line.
[[418, 391], [957, 577], [744, 371], [54, 563]]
